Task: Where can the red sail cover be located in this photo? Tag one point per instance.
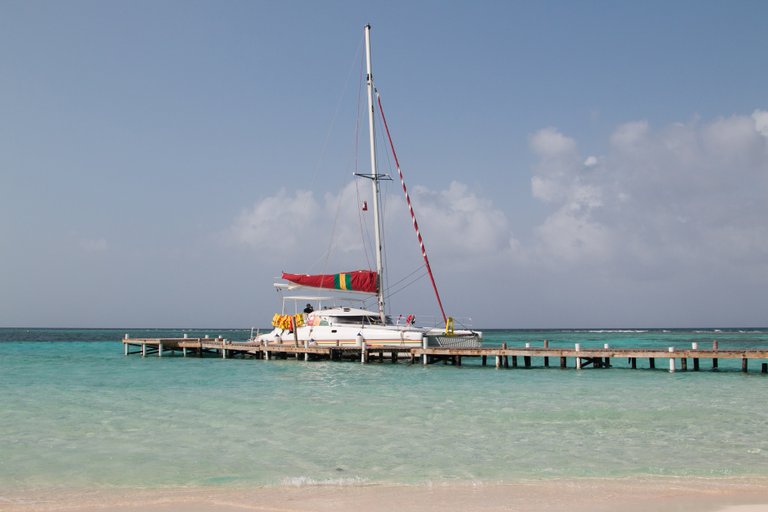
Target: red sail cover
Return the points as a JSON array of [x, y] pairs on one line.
[[355, 281]]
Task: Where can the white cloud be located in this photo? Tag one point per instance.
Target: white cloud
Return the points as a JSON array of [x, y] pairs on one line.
[[658, 200], [688, 196], [761, 122], [455, 223], [550, 143], [729, 138], [665, 214], [630, 136], [298, 228], [558, 155], [276, 223], [459, 222]]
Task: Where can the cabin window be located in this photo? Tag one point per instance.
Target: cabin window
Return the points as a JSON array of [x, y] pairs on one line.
[[356, 320]]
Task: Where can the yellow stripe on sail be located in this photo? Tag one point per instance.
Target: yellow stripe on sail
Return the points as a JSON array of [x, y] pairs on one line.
[[342, 281]]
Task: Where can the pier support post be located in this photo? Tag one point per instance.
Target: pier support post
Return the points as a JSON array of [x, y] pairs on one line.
[[498, 361], [633, 362], [527, 361], [563, 362], [684, 364], [143, 350], [546, 358], [160, 350], [607, 362], [485, 360], [744, 364], [363, 352], [714, 360], [671, 361], [223, 349], [506, 358], [695, 346], [764, 368], [577, 348], [514, 361], [424, 343]]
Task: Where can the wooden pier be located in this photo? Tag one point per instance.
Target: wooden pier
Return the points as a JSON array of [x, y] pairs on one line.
[[673, 359]]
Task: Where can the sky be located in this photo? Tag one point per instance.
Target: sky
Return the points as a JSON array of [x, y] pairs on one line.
[[572, 164]]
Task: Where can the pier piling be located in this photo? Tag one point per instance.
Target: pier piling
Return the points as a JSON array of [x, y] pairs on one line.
[[456, 356]]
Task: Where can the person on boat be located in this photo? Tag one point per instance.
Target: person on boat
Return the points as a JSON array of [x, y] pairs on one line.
[[308, 309]]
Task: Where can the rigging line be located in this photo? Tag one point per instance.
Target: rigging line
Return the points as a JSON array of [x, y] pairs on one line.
[[335, 116], [405, 286], [411, 279], [362, 226], [333, 232], [419, 268], [323, 258], [383, 184], [360, 87], [410, 208], [365, 237]]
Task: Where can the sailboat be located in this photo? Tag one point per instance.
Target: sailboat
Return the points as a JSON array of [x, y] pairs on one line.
[[327, 320]]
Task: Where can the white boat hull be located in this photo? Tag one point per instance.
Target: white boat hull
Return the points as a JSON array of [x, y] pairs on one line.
[[348, 336]]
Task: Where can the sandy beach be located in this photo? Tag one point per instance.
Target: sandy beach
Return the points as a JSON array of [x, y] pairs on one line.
[[658, 494]]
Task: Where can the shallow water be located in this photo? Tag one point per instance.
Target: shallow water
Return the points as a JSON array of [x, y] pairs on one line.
[[76, 412]]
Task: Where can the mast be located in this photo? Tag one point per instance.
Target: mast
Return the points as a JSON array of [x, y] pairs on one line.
[[374, 176]]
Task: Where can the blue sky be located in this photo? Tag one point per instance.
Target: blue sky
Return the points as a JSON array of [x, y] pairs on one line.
[[573, 164]]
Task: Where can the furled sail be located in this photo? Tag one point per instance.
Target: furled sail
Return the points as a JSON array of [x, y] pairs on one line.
[[355, 281]]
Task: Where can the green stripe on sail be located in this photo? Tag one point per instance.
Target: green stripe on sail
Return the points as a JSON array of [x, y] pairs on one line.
[[342, 281]]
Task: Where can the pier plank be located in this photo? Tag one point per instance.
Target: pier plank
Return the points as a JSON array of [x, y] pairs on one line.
[[594, 357]]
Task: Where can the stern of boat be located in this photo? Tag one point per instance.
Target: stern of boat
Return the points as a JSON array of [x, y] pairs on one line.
[[459, 339]]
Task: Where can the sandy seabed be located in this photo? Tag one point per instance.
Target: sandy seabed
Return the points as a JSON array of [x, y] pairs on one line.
[[625, 495]]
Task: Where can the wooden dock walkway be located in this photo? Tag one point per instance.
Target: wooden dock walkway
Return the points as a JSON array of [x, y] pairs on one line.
[[502, 357]]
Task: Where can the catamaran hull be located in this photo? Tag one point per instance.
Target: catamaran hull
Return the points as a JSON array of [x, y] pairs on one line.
[[371, 336], [347, 336]]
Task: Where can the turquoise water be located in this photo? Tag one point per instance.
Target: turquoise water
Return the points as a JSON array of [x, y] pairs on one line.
[[74, 411]]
